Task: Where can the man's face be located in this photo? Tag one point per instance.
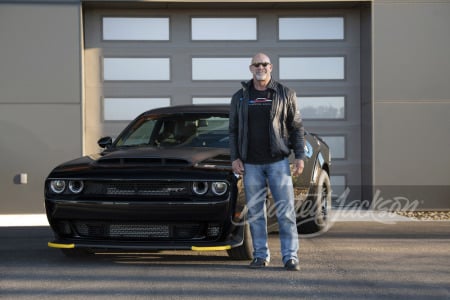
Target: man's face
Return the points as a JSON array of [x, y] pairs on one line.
[[261, 68]]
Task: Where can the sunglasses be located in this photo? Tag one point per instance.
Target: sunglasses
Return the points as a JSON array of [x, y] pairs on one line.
[[264, 64]]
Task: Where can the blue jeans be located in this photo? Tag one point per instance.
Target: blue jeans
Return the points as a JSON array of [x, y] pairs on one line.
[[278, 176]]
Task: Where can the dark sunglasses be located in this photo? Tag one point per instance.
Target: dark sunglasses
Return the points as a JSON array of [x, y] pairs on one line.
[[264, 64]]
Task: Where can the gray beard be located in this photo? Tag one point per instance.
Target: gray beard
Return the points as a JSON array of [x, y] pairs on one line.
[[261, 76]]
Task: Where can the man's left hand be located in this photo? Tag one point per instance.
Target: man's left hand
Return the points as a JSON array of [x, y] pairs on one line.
[[299, 165]]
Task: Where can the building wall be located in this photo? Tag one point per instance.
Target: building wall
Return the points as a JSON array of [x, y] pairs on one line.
[[411, 96], [405, 98], [40, 98]]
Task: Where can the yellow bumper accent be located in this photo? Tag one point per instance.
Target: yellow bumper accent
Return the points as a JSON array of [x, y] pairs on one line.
[[213, 248], [61, 246]]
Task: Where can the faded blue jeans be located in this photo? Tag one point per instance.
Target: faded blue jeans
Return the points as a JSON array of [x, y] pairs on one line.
[[278, 176]]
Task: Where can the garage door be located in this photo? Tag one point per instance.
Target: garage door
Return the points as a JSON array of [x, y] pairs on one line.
[[136, 60]]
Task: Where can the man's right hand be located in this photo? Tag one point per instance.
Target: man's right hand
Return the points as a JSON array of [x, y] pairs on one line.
[[238, 167]]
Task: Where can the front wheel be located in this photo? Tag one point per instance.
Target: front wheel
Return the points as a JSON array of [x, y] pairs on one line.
[[244, 251], [313, 213]]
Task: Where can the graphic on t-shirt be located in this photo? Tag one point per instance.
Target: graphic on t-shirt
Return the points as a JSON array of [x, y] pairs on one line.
[[260, 101]]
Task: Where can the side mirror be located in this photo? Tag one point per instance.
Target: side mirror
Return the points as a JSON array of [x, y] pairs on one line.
[[105, 142]]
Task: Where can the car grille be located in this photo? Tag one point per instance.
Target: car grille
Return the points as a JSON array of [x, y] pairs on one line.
[[147, 232], [126, 188]]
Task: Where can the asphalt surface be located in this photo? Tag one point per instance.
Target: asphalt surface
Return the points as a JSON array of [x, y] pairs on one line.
[[354, 260]]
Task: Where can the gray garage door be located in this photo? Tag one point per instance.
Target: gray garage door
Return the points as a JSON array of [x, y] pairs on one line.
[[135, 60]]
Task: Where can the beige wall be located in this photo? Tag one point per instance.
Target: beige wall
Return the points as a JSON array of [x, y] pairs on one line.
[[40, 98], [411, 91], [41, 92]]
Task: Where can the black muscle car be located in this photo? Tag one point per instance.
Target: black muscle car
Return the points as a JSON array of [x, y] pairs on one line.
[[166, 183]]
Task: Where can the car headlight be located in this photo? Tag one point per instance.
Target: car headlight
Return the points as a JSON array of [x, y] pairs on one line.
[[219, 187], [57, 186], [200, 187], [76, 186]]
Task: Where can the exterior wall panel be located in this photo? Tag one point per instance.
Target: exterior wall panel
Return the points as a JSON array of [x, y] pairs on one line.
[[40, 53], [412, 101], [411, 50], [35, 138], [40, 98]]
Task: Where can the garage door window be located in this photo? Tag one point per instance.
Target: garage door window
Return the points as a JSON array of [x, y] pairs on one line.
[[135, 29], [223, 29], [312, 68], [322, 108], [136, 69], [337, 146], [235, 68], [303, 28], [339, 183], [126, 109]]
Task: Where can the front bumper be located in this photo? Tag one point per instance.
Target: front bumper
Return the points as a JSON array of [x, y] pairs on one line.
[[143, 225], [232, 239]]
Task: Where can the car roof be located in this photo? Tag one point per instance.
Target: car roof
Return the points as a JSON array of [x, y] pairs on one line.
[[191, 108]]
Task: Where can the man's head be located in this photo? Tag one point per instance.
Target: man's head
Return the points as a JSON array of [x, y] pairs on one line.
[[261, 67]]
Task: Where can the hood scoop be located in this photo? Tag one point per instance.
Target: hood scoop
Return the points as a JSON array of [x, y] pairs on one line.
[[153, 157], [143, 161]]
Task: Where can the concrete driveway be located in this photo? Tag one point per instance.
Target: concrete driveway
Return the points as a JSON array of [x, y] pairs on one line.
[[354, 260]]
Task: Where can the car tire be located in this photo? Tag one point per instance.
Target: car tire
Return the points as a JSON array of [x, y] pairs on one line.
[[313, 213], [244, 251]]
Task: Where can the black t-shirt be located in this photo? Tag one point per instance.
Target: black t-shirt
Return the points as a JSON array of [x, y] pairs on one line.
[[259, 107]]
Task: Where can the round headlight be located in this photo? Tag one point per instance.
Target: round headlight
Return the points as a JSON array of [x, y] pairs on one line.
[[76, 186], [200, 187], [57, 186], [219, 188]]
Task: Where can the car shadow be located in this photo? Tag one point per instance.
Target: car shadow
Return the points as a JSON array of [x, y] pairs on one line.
[[23, 245]]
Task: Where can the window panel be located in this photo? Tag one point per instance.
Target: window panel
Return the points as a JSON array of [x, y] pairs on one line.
[[312, 68], [136, 29], [136, 69], [339, 184], [223, 29], [337, 146], [322, 107], [221, 68], [311, 28], [125, 109], [211, 100]]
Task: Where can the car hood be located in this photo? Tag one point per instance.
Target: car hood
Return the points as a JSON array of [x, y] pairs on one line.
[[162, 156], [150, 157]]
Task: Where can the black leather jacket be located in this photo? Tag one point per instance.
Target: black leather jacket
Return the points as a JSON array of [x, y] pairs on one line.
[[286, 132]]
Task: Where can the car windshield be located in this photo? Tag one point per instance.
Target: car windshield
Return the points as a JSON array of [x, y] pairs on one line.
[[181, 130]]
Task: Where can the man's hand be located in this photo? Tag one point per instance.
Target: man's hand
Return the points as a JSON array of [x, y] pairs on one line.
[[298, 167], [238, 167]]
